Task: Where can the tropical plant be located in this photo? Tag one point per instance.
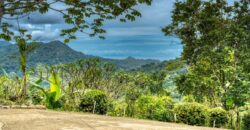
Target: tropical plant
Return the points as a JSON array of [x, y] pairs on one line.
[[51, 95]]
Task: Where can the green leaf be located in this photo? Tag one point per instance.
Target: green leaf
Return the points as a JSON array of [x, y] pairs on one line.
[[229, 101], [55, 85]]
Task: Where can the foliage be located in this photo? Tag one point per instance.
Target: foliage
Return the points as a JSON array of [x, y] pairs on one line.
[[6, 102], [216, 40], [36, 96], [155, 108], [75, 13], [188, 98], [51, 95], [94, 101], [191, 113], [218, 116], [246, 121], [55, 85], [117, 108], [238, 95]]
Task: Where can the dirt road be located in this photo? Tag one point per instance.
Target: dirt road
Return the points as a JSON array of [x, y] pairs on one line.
[[12, 119]]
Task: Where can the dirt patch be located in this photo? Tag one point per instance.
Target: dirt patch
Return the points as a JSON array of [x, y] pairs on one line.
[[1, 125], [30, 119]]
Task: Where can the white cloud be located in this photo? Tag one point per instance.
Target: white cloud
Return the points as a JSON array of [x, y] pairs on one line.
[[133, 31], [46, 34]]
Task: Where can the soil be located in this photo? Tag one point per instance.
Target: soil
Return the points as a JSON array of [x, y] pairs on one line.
[[32, 119]]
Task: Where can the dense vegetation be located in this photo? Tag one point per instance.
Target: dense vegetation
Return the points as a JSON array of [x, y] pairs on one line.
[[216, 37], [94, 86]]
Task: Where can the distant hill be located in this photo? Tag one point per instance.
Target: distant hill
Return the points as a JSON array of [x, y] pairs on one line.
[[132, 63], [175, 65], [172, 68], [4, 43], [56, 52]]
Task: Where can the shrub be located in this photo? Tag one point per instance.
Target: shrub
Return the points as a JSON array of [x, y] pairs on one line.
[[218, 116], [5, 102], [188, 98], [155, 108], [117, 108], [246, 122], [94, 98], [36, 97], [191, 113]]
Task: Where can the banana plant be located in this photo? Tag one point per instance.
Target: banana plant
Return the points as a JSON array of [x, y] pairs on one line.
[[51, 94]]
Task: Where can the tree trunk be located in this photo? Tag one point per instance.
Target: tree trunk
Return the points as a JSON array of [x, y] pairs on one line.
[[231, 119], [22, 46], [24, 85], [238, 120]]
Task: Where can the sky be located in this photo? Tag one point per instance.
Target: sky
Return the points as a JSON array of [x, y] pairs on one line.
[[141, 39]]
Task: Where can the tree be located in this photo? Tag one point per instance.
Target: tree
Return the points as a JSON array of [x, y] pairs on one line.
[[210, 77], [216, 38], [84, 16], [206, 25]]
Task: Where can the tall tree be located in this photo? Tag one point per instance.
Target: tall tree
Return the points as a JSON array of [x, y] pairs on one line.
[[216, 37]]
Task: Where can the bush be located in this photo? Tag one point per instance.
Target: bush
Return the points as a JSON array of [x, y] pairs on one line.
[[92, 97], [5, 102], [155, 108], [246, 122], [117, 108], [36, 97], [191, 113], [188, 98], [218, 116]]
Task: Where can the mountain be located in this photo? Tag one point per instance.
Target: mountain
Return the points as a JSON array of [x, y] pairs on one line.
[[56, 52], [132, 63], [4, 43]]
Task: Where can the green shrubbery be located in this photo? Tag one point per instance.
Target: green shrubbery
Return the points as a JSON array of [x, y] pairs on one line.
[[188, 98], [117, 108], [218, 117], [5, 102], [191, 113], [94, 101], [155, 108], [246, 121]]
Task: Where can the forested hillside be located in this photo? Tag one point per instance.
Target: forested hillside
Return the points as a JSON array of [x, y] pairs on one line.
[[54, 53]]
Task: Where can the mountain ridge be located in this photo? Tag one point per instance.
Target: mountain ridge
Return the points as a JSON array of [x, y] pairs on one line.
[[56, 52]]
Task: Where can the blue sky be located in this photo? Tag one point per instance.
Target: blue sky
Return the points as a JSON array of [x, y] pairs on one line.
[[140, 39]]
